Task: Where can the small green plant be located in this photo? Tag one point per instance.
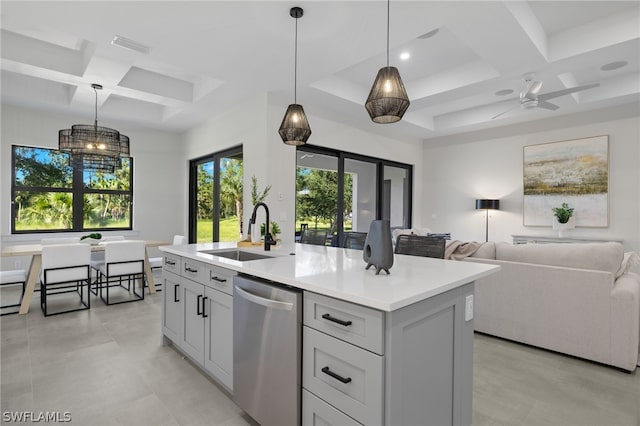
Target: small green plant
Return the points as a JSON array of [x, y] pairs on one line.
[[275, 229], [563, 213], [255, 197], [95, 236]]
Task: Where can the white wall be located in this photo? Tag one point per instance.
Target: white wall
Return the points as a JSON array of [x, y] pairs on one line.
[[157, 177], [255, 125], [458, 173], [244, 125]]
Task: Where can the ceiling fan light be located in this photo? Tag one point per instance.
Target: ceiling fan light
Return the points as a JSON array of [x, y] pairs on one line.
[[388, 100], [295, 129]]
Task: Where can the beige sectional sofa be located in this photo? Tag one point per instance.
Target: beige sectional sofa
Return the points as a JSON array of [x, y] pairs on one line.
[[578, 299]]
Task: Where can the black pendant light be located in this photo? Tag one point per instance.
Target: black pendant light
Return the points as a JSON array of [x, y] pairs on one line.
[[295, 129], [93, 146], [388, 100]]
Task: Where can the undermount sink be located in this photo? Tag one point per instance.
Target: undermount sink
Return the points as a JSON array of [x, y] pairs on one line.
[[238, 255]]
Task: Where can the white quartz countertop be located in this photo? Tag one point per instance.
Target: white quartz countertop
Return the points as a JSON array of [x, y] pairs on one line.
[[340, 273]]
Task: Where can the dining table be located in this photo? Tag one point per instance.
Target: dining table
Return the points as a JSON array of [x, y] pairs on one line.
[[35, 251]]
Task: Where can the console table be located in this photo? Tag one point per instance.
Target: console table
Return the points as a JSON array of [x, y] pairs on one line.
[[543, 239]]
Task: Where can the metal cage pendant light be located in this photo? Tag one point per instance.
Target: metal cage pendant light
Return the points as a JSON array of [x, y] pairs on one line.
[[295, 129], [388, 100], [93, 146]]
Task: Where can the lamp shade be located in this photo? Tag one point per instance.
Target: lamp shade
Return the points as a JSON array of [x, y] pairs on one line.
[[295, 129], [388, 100], [487, 204]]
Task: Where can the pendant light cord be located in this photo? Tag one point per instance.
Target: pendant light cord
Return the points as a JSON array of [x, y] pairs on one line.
[[295, 68], [388, 10], [95, 123]]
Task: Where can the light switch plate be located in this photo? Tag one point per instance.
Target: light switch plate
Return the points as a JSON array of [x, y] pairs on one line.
[[468, 308]]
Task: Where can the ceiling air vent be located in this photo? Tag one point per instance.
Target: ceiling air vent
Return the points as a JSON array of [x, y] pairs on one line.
[[127, 43]]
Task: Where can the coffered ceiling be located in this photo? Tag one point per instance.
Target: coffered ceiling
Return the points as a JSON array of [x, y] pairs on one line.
[[466, 64]]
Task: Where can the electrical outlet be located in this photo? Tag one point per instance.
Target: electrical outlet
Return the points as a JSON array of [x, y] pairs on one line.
[[468, 308], [17, 264], [280, 196]]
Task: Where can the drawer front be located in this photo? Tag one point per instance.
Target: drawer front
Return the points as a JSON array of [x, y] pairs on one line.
[[194, 270], [172, 263], [352, 323], [220, 278], [316, 412], [345, 376]]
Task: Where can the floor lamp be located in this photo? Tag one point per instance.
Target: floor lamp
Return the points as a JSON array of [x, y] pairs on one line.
[[487, 205]]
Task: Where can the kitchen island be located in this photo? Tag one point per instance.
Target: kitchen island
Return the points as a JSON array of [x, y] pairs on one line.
[[399, 346]]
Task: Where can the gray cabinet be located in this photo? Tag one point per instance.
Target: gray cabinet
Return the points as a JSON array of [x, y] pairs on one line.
[[218, 336], [198, 314], [421, 375], [172, 306], [192, 337]]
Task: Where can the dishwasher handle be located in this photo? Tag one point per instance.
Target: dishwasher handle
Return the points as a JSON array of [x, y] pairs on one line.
[[285, 306]]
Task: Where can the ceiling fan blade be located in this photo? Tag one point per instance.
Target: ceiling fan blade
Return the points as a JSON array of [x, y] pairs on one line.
[[534, 89], [504, 112], [563, 92], [547, 105]]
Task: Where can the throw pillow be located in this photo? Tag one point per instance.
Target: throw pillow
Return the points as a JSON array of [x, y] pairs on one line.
[[629, 260]]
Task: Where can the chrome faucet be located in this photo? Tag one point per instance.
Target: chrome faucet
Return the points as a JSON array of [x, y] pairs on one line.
[[268, 238]]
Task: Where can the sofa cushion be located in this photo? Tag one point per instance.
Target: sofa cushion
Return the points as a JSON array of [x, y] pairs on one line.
[[486, 251], [594, 256]]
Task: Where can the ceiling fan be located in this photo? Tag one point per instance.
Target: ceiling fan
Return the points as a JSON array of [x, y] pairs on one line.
[[530, 98]]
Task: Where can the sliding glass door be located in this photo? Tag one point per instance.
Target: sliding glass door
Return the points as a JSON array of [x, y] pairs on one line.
[[215, 197], [341, 192]]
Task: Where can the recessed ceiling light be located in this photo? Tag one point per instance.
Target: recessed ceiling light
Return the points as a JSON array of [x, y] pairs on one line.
[[504, 92], [405, 55], [614, 65], [127, 43], [429, 34]]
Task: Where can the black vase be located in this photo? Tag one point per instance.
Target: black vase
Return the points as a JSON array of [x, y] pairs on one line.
[[378, 250]]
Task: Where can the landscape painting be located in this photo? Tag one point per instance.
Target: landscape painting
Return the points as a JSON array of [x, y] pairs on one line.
[[575, 172]]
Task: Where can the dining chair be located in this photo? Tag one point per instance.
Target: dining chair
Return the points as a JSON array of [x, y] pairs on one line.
[[420, 245], [123, 264], [97, 259], [314, 236], [155, 263], [65, 270], [9, 280], [59, 240], [354, 240]]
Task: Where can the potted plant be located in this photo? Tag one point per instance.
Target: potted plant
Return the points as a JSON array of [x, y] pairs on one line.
[[93, 238], [274, 229], [563, 219]]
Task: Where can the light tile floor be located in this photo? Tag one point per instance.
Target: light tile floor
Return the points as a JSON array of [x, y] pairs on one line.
[[107, 366]]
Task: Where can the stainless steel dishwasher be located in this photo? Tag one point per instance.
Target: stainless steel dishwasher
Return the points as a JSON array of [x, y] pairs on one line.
[[266, 351]]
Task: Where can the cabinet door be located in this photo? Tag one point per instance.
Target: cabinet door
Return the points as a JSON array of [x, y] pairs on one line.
[[218, 339], [192, 338], [172, 307]]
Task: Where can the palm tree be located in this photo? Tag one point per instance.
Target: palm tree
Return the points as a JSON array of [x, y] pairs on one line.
[[231, 186]]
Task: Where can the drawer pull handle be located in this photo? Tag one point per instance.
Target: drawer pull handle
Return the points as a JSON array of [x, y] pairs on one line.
[[169, 262], [326, 370], [336, 320], [186, 268], [220, 280], [198, 305], [175, 293]]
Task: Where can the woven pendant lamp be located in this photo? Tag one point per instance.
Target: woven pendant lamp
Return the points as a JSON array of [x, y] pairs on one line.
[[295, 129], [388, 100], [92, 145]]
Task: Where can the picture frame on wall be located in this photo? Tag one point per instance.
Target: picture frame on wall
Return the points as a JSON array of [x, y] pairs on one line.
[[575, 172]]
